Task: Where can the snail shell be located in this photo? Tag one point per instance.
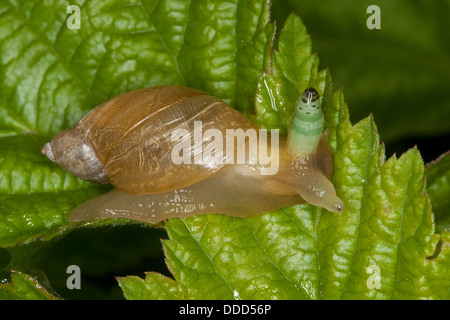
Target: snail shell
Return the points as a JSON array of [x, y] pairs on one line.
[[128, 142]]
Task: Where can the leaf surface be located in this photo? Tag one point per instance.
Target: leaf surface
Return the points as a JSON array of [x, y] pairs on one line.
[[23, 286], [399, 73], [437, 174]]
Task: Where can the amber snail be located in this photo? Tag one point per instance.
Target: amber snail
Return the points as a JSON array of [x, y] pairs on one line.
[[129, 141]]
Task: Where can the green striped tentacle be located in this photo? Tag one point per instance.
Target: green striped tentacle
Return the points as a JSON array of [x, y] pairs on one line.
[[307, 124]]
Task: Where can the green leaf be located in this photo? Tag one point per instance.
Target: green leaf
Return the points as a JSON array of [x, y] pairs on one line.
[[23, 286], [50, 76], [306, 252], [292, 70], [386, 231]]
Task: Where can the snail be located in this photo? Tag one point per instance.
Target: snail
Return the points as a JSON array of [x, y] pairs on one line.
[[162, 150]]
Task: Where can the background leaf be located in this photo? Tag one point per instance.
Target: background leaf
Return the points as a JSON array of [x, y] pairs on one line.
[[23, 286], [50, 76]]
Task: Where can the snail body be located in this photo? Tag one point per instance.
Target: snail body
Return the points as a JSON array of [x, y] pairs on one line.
[[129, 141]]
